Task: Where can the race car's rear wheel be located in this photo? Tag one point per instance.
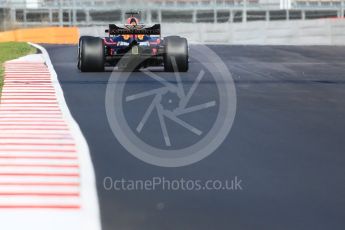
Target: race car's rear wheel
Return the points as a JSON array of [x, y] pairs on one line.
[[176, 54], [91, 54], [79, 49]]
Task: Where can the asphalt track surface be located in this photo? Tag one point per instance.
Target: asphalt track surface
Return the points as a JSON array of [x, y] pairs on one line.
[[286, 145]]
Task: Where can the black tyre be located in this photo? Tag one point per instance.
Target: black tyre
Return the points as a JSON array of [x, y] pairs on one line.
[[91, 54], [81, 39], [176, 51]]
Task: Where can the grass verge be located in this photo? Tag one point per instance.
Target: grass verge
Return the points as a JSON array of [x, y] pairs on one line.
[[10, 51]]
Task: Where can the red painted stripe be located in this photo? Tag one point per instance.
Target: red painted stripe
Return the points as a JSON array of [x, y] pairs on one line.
[[35, 76], [31, 114], [29, 101], [41, 165], [30, 98], [23, 124], [12, 81], [26, 68], [25, 86], [14, 74], [15, 67], [41, 174], [36, 87], [39, 184], [28, 110], [37, 138], [37, 129], [62, 137], [36, 144], [18, 95], [26, 95], [36, 97], [45, 79], [38, 71], [26, 82], [19, 114], [28, 92], [43, 99], [40, 150], [73, 194], [40, 206], [31, 105], [40, 157], [32, 119]]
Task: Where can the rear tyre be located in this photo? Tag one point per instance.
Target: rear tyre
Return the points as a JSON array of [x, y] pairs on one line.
[[91, 54], [176, 54]]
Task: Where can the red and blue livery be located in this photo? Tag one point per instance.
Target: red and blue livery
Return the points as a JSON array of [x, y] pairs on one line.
[[131, 42]]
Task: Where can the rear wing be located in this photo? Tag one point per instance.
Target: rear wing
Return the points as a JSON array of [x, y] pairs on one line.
[[115, 30]]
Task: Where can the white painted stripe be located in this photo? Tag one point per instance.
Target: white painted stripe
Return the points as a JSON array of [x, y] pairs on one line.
[[15, 121], [39, 132], [37, 124], [39, 179], [26, 111], [27, 142], [29, 119], [28, 97], [21, 161], [7, 90], [39, 189], [38, 161], [34, 66], [26, 85], [27, 79], [12, 81], [33, 96], [15, 115], [25, 72], [26, 102], [38, 154], [29, 170], [53, 148], [11, 129], [39, 135], [14, 200]]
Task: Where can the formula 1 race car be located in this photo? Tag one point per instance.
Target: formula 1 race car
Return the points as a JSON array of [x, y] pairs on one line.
[[133, 40]]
